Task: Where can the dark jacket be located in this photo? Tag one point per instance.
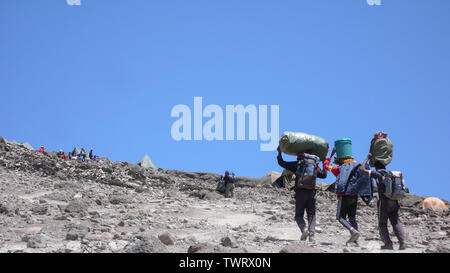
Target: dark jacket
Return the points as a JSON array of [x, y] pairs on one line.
[[228, 179]]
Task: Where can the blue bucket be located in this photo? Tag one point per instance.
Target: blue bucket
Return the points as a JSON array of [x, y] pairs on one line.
[[343, 147]]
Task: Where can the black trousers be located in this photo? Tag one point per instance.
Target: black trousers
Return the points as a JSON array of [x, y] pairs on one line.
[[305, 200], [388, 209], [346, 209]]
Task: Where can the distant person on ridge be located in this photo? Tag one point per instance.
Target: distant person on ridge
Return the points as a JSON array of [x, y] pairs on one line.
[[306, 171], [387, 208], [42, 149], [83, 153], [228, 184], [61, 154]]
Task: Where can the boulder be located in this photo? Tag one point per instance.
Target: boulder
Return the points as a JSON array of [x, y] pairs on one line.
[[166, 238]]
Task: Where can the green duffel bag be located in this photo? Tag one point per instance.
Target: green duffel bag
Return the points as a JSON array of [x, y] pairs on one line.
[[292, 143], [381, 149]]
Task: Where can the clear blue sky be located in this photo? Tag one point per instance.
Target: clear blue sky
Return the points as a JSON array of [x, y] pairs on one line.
[[106, 75]]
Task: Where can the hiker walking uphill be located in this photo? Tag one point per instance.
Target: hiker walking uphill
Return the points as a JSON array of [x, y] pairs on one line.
[[390, 191], [226, 185], [350, 184], [306, 171]]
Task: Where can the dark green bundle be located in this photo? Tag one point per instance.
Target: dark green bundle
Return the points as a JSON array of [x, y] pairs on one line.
[[292, 143], [381, 149]]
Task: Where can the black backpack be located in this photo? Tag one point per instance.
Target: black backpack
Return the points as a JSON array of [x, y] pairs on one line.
[[306, 172], [393, 185]]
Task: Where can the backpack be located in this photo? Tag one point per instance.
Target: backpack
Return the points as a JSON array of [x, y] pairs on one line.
[[306, 172], [394, 185]]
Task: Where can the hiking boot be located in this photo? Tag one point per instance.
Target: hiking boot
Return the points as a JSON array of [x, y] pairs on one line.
[[311, 239], [402, 246], [387, 247], [305, 234], [354, 236]]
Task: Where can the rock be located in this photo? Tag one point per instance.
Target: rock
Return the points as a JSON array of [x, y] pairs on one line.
[[71, 236], [166, 239], [118, 199], [39, 210], [204, 248], [78, 231], [299, 248], [150, 244], [35, 241], [4, 209], [73, 247], [60, 217], [25, 238], [346, 250], [191, 239], [229, 242], [76, 206]]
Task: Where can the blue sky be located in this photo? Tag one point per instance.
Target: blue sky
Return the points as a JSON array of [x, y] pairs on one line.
[[106, 75]]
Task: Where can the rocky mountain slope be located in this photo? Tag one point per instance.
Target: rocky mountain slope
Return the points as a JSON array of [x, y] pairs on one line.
[[49, 204]]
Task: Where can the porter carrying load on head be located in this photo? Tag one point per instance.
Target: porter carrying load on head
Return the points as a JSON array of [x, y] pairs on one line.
[[350, 183], [306, 171], [390, 190]]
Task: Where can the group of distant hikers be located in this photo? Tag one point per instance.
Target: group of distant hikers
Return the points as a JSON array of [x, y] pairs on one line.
[[353, 180], [76, 154]]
